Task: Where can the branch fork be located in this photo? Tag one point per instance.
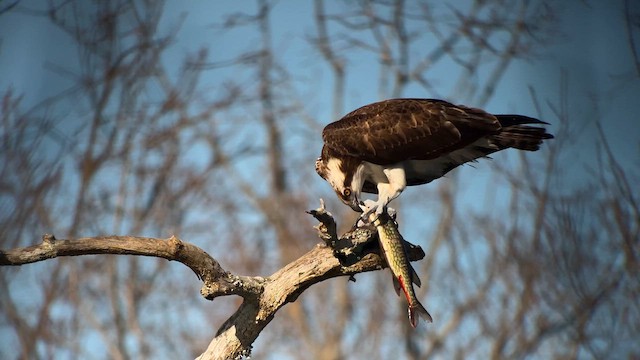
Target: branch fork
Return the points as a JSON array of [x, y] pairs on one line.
[[352, 253]]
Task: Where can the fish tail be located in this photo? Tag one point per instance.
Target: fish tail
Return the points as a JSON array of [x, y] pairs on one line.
[[416, 311]]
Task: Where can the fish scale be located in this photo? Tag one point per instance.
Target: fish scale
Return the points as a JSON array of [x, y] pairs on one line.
[[402, 273]]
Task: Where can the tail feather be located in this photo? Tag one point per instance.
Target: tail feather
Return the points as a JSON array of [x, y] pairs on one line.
[[418, 309], [510, 120], [515, 134]]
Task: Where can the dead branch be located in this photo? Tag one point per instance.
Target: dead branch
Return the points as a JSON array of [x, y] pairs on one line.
[[216, 280], [352, 253], [323, 262]]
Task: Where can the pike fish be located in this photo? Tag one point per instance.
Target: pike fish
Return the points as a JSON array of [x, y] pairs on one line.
[[402, 272]]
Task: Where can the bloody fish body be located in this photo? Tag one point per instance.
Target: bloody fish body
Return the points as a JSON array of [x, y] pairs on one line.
[[401, 270]]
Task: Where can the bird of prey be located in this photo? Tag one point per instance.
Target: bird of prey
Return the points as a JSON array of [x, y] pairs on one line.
[[383, 147]]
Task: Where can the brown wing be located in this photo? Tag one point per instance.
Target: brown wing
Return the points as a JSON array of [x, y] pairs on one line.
[[395, 130]]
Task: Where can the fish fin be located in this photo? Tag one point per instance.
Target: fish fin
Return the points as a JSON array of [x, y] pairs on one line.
[[421, 312], [414, 277], [396, 284], [403, 285]]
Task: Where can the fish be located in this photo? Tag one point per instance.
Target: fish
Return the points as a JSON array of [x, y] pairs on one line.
[[402, 273]]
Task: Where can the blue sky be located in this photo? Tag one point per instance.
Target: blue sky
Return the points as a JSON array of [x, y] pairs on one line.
[[589, 43]]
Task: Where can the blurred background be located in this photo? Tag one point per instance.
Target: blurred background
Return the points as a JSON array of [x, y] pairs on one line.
[[203, 120]]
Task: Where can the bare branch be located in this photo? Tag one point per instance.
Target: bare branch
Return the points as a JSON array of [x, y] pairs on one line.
[[337, 63], [263, 296], [174, 249], [632, 20], [8, 7], [236, 335]]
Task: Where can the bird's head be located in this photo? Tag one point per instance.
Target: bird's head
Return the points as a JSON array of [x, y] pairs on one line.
[[341, 179]]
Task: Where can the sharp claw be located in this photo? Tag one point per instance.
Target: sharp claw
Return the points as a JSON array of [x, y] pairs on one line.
[[368, 212], [371, 207]]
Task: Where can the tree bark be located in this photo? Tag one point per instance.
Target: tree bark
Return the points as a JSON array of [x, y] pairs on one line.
[[354, 252]]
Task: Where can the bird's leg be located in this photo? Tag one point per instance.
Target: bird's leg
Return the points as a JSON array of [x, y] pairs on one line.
[[387, 191]]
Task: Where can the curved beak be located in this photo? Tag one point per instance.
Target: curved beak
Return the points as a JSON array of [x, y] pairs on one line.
[[355, 204]]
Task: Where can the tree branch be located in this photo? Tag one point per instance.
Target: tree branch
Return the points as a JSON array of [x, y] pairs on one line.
[[353, 252]]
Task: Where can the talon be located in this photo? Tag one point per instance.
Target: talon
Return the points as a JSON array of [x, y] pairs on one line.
[[364, 208], [367, 209], [359, 223], [365, 215]]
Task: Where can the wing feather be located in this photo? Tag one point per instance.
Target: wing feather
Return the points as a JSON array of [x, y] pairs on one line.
[[395, 130]]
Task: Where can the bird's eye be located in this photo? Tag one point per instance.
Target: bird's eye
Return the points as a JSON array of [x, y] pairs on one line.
[[346, 192]]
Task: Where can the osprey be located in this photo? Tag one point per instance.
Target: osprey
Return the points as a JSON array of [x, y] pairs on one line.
[[383, 147]]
